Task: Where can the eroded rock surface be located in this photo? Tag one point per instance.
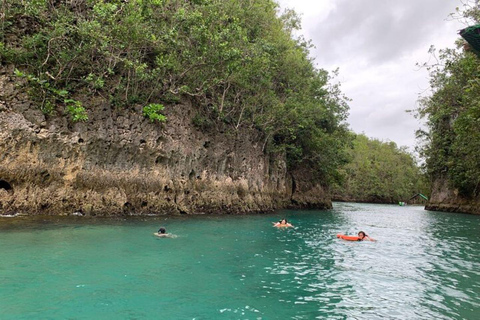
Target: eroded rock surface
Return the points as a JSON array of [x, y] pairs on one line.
[[445, 198], [121, 163]]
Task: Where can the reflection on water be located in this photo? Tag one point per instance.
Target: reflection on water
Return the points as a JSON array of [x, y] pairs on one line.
[[425, 265]]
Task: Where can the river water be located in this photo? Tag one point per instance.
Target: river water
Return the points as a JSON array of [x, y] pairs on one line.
[[425, 265]]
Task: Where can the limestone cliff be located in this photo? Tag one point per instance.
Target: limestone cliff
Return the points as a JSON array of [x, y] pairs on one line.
[[445, 198], [120, 163]]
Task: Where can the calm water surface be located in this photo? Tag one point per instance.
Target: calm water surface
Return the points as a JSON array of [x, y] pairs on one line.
[[425, 265]]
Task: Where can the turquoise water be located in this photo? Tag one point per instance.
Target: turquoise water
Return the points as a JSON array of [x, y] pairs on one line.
[[425, 265]]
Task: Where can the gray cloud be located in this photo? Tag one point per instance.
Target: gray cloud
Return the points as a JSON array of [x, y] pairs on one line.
[[378, 30], [376, 44]]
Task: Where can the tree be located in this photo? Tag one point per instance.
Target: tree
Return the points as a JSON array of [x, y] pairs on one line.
[[236, 60], [379, 172]]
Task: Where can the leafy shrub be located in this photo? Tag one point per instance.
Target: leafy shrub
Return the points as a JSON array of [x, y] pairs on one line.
[[152, 112], [240, 56], [76, 110], [48, 96]]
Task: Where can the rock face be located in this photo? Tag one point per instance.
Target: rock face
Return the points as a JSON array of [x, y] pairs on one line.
[[444, 198], [121, 163]]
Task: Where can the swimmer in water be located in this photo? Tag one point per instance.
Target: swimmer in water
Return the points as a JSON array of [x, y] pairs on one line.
[[363, 236], [162, 233], [282, 223]]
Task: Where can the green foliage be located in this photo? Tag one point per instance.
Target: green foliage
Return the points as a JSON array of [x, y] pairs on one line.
[[48, 96], [379, 171], [237, 61], [76, 110], [152, 112], [452, 144]]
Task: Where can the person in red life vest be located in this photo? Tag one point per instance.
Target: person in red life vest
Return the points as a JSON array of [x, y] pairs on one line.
[[361, 237]]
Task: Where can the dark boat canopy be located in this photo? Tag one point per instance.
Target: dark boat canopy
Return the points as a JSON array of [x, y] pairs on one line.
[[472, 36]]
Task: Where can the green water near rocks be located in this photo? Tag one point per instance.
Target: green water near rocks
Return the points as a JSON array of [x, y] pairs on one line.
[[425, 265]]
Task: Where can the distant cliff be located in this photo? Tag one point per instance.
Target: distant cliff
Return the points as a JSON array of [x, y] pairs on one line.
[[446, 198], [121, 163]]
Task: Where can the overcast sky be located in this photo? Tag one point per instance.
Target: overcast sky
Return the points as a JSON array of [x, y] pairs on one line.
[[376, 44]]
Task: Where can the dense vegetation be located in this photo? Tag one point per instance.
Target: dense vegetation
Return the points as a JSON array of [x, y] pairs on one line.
[[451, 146], [237, 60], [379, 172]]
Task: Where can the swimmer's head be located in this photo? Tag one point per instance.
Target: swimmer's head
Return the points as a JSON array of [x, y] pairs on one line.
[[361, 235], [162, 230]]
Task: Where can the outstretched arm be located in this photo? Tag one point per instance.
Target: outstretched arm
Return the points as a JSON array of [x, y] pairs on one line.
[[371, 239]]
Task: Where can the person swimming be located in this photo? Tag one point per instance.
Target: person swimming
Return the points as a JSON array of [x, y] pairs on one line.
[[282, 224], [162, 233], [363, 236]]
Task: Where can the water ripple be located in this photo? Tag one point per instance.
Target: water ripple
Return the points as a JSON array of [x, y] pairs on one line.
[[425, 265]]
